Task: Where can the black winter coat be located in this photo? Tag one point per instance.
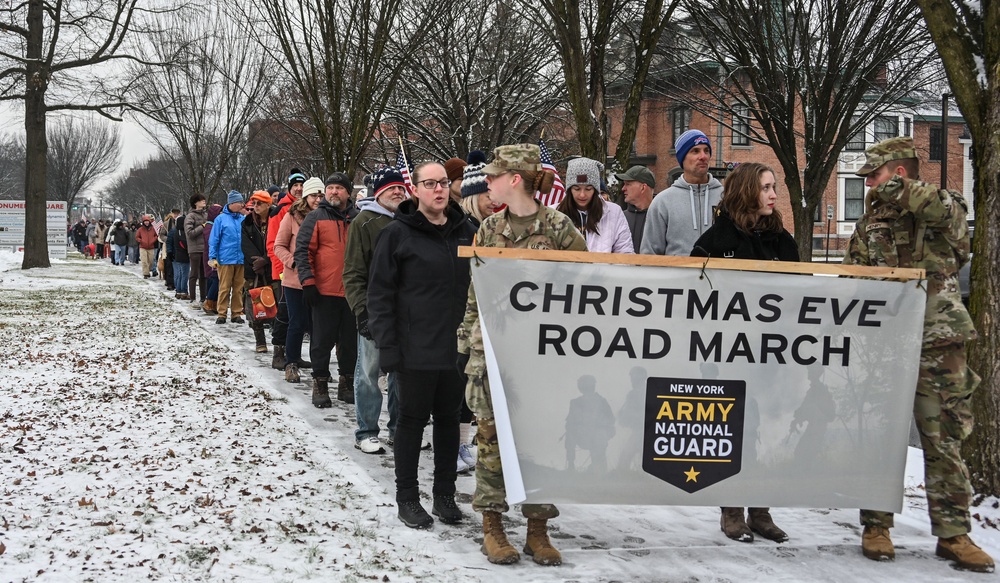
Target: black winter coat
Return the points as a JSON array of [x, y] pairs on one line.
[[418, 287], [254, 245], [725, 240]]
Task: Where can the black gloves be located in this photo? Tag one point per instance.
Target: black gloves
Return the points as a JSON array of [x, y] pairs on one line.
[[260, 265], [311, 294], [363, 325]]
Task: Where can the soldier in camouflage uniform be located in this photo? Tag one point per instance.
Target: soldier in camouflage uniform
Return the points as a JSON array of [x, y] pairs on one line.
[[513, 176], [909, 223]]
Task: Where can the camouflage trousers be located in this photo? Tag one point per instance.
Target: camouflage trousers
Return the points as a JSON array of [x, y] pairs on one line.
[[491, 495], [942, 411]]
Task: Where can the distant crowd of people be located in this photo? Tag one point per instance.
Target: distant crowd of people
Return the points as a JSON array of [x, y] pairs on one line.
[[380, 281]]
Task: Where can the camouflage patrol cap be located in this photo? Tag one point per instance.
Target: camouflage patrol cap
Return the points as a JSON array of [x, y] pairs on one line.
[[887, 151], [514, 157]]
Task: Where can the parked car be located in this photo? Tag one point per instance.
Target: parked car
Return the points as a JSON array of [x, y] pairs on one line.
[[963, 274]]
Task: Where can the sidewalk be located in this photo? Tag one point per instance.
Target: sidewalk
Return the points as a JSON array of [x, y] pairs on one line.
[[141, 441]]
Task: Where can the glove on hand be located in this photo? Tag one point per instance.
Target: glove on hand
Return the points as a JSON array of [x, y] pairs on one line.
[[363, 325], [260, 265], [311, 294]]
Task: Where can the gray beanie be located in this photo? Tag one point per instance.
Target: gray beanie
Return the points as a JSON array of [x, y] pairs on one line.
[[584, 171]]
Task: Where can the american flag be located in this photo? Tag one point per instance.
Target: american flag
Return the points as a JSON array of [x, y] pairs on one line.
[[156, 226], [554, 196], [404, 169]]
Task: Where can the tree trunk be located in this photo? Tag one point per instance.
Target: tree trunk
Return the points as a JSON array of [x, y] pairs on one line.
[[982, 450], [36, 247]]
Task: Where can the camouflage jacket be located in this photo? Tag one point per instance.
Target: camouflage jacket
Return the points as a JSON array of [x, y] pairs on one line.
[[551, 230], [910, 223]]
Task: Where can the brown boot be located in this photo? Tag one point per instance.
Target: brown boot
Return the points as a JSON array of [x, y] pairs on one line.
[[876, 544], [292, 373], [321, 393], [965, 553], [209, 307], [496, 547], [538, 546], [759, 520], [258, 334], [734, 525], [278, 360], [345, 389]]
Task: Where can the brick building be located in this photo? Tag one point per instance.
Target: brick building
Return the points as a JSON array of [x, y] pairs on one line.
[[662, 120]]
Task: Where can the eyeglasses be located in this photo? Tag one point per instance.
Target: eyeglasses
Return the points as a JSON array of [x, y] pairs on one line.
[[430, 184]]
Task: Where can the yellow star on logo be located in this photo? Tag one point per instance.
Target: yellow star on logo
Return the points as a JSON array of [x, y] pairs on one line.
[[692, 475]]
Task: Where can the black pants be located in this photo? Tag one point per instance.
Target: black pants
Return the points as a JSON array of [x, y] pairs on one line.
[[197, 277], [168, 272], [333, 324], [422, 393], [279, 328]]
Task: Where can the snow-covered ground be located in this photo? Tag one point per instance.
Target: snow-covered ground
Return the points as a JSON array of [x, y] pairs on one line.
[[141, 441]]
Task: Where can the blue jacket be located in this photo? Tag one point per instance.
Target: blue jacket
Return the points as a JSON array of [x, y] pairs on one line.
[[225, 244]]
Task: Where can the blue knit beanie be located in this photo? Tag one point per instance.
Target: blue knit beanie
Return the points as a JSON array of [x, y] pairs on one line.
[[688, 140], [234, 196]]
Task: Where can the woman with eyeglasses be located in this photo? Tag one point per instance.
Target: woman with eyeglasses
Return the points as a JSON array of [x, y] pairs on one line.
[[601, 222], [299, 315], [513, 177], [416, 298]]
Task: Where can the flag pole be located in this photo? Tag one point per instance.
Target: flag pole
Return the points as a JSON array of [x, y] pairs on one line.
[[402, 151]]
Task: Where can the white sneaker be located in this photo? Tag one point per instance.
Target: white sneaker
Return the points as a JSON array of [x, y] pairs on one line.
[[466, 454], [370, 445], [462, 466]]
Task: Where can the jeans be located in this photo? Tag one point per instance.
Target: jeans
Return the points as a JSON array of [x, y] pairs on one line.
[[181, 276], [299, 316], [213, 287], [120, 254], [368, 396], [422, 392], [279, 328]]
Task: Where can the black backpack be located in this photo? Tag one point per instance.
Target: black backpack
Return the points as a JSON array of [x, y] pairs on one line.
[[181, 235]]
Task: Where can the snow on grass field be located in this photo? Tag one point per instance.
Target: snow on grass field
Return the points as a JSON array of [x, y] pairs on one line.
[[140, 440]]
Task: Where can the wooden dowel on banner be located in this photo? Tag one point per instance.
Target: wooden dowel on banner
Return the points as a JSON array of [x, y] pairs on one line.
[[900, 274]]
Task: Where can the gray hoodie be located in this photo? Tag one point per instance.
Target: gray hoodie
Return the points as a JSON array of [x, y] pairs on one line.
[[678, 216]]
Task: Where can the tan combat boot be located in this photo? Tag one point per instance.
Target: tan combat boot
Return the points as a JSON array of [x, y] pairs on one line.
[[734, 525], [538, 546], [321, 393], [876, 544], [965, 553], [496, 547]]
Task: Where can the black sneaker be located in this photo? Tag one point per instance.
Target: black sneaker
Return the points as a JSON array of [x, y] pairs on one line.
[[413, 514], [220, 320], [238, 320], [446, 509]]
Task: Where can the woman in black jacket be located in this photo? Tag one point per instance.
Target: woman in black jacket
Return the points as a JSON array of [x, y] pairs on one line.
[[417, 291], [748, 226]]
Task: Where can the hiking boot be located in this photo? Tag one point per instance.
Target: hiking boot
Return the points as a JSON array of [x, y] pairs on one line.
[[538, 546], [369, 445], [345, 389], [876, 544], [413, 514], [220, 320], [965, 553], [209, 306], [278, 360], [238, 320], [734, 525], [292, 373], [496, 547], [145, 277], [304, 363], [759, 520], [446, 509], [258, 335], [321, 393]]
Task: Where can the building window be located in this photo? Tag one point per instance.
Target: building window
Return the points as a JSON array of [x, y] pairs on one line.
[[906, 128], [886, 127], [681, 121], [935, 146], [857, 142], [854, 198], [741, 125]]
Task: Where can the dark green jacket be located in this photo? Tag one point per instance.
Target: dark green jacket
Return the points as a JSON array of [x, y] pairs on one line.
[[361, 239]]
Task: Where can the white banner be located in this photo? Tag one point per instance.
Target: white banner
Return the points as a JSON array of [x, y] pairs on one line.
[[619, 384]]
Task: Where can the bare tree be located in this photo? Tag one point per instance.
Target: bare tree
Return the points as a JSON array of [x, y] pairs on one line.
[[344, 60], [203, 100], [832, 64], [11, 167], [971, 56], [148, 187], [80, 153], [60, 56], [482, 79]]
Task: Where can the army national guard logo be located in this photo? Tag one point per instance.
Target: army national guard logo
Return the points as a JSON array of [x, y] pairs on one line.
[[693, 435]]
